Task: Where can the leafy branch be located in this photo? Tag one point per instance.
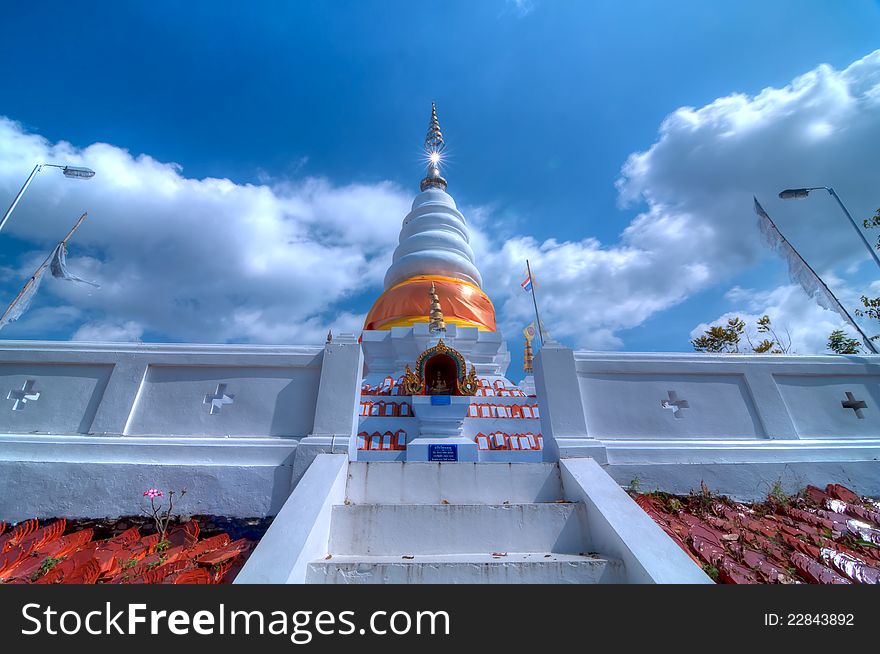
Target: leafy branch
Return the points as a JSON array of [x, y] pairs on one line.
[[726, 339]]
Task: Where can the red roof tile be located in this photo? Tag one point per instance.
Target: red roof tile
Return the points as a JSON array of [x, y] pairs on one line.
[[828, 536], [31, 553]]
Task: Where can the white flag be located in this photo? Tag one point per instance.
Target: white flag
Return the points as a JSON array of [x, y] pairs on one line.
[[57, 264], [799, 271], [23, 301]]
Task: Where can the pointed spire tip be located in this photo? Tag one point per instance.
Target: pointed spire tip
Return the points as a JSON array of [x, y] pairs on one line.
[[434, 146]]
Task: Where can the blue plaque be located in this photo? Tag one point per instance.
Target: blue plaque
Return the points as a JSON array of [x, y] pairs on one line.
[[440, 399], [442, 452]]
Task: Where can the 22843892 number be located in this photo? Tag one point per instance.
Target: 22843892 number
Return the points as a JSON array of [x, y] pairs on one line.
[[820, 619], [809, 619]]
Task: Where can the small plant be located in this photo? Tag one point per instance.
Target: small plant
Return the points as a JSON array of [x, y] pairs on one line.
[[155, 564], [861, 542], [711, 570], [635, 485], [702, 501], [161, 515], [777, 494], [128, 565], [48, 563]]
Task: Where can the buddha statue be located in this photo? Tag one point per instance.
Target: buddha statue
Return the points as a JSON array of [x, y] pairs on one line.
[[439, 386]]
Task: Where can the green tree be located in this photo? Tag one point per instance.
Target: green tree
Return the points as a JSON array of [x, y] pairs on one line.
[[727, 339], [721, 339], [839, 343], [871, 304], [775, 344]]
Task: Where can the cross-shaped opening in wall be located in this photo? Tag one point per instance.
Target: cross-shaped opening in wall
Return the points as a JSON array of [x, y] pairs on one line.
[[218, 398], [856, 405], [674, 404], [24, 395]]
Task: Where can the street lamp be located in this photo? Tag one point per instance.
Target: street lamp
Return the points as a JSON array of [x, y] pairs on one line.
[[78, 173], [798, 193], [74, 172]]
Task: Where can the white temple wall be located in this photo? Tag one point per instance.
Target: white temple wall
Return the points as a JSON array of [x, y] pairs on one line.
[[266, 401], [44, 476], [728, 396], [741, 423], [136, 389], [85, 428]]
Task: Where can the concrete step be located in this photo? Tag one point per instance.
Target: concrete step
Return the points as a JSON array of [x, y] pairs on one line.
[[457, 483], [407, 529], [513, 568]]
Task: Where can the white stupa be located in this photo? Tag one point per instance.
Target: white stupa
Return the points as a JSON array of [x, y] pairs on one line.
[[434, 240], [434, 249], [434, 322]]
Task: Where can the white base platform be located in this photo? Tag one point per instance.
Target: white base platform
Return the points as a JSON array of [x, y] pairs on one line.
[[511, 568]]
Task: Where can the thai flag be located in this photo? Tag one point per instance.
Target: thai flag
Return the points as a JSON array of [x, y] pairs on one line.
[[527, 284]]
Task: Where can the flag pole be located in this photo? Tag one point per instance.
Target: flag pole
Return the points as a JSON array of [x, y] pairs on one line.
[[75, 227], [42, 267], [535, 301]]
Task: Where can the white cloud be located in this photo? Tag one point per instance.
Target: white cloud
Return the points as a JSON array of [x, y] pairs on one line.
[[701, 173], [698, 227], [586, 292], [198, 260]]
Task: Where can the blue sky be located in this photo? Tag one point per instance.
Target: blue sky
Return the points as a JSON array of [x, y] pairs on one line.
[[542, 104]]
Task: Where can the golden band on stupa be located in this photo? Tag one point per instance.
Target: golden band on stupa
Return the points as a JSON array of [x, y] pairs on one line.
[[404, 304]]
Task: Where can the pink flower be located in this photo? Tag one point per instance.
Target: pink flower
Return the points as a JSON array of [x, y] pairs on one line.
[[153, 492]]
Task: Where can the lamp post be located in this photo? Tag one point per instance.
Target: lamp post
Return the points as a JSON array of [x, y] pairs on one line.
[[69, 171], [798, 193]]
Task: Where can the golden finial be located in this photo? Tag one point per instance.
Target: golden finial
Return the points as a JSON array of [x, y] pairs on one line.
[[434, 146], [436, 314], [528, 358]]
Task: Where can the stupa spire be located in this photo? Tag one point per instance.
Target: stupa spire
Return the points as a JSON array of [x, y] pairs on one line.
[[437, 324], [434, 146]]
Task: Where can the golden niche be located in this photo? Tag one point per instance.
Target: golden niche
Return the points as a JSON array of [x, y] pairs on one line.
[[440, 370]]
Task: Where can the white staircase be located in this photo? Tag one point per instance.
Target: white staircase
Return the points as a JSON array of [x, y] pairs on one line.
[[459, 523]]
